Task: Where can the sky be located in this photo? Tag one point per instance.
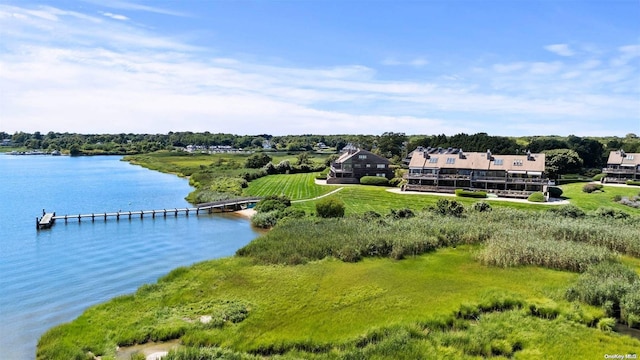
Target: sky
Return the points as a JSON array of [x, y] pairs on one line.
[[510, 68]]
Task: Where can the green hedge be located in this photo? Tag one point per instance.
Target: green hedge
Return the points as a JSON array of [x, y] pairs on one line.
[[633, 182], [374, 180], [589, 188], [536, 197], [598, 177], [471, 194], [555, 192]]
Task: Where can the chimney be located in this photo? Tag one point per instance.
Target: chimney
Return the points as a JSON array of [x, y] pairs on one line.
[[488, 154], [460, 154], [529, 157]]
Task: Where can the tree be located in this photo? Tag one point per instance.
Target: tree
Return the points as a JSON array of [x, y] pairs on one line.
[[330, 207], [562, 161], [257, 161], [391, 144]]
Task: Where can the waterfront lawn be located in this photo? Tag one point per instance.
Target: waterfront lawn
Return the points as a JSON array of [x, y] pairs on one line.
[[362, 198], [594, 200], [329, 306], [294, 186]]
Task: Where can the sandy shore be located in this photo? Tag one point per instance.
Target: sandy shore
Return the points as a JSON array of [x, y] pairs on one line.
[[246, 213]]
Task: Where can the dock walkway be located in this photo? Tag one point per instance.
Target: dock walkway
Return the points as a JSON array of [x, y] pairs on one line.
[[48, 219]]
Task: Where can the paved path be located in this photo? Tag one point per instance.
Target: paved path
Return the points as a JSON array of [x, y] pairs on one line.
[[318, 197]]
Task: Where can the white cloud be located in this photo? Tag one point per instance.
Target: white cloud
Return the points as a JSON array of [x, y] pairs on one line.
[[114, 16], [97, 76], [130, 5], [416, 62], [627, 53], [560, 49]]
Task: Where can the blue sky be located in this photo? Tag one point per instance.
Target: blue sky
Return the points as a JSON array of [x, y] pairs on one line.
[[321, 67]]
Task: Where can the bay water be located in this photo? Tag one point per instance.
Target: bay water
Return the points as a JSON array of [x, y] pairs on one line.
[[50, 276]]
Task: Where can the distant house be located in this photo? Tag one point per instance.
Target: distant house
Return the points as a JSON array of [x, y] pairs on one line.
[[355, 163], [7, 142], [622, 166], [445, 170]]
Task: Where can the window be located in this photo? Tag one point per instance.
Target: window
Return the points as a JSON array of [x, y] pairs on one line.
[[629, 157], [368, 165], [381, 166], [451, 160], [517, 162], [433, 160], [497, 161], [381, 175], [362, 157], [356, 165]]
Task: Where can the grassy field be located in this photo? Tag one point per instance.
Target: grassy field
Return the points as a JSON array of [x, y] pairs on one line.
[[329, 304], [295, 186], [592, 201]]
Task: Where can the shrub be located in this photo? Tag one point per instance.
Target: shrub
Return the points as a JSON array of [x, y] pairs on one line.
[[589, 188], [536, 197], [257, 161], [269, 205], [349, 254], [554, 192], [633, 182], [608, 212], [265, 220], [606, 324], [605, 285], [330, 207], [374, 180], [598, 177], [482, 206], [617, 198], [449, 207], [630, 305], [401, 214], [396, 181], [471, 194], [570, 211]]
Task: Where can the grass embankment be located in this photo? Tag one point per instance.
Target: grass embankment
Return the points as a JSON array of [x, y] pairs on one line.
[[442, 303], [295, 186]]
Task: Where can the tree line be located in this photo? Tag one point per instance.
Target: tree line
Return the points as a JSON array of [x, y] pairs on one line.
[[565, 154]]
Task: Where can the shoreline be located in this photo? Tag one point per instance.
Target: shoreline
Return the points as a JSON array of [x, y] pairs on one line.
[[245, 213]]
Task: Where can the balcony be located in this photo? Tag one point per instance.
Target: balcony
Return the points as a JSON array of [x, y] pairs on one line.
[[621, 170]]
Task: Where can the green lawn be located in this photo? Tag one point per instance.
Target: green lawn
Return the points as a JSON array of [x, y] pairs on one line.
[[295, 186], [592, 201]]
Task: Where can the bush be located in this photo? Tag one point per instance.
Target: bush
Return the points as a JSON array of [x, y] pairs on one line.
[[606, 324], [606, 285], [396, 181], [265, 220], [330, 207], [257, 161], [555, 192], [570, 211], [471, 194], [617, 198], [482, 206], [633, 182], [401, 214], [630, 305], [269, 205], [608, 212], [449, 207], [536, 197], [598, 177], [374, 180], [589, 188]]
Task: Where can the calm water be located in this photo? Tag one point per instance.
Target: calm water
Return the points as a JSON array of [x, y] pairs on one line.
[[50, 276]]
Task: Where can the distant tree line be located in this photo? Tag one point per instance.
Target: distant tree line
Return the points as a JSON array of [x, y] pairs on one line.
[[568, 154]]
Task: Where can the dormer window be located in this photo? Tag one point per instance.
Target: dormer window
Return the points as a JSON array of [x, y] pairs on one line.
[[451, 160], [498, 161], [362, 157], [433, 160], [517, 162]]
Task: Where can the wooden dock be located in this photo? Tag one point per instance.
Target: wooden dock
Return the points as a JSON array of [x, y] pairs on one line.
[[48, 219]]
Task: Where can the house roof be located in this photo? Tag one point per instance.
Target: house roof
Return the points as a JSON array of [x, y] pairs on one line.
[[478, 161], [348, 155], [623, 159]]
